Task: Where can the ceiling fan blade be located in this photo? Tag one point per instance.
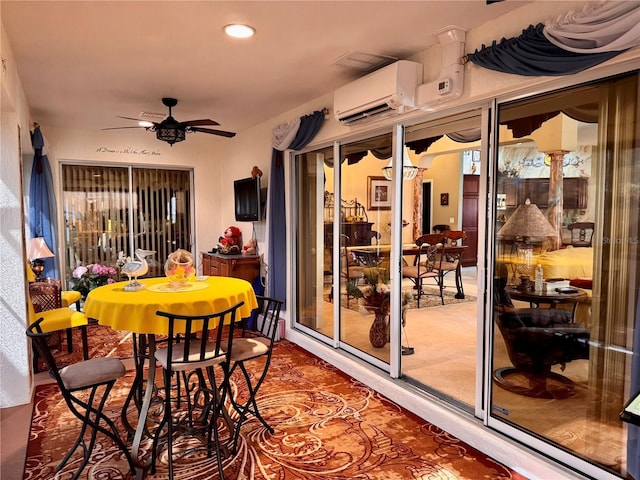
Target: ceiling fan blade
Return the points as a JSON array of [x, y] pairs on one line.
[[134, 119], [214, 132], [194, 123], [120, 128]]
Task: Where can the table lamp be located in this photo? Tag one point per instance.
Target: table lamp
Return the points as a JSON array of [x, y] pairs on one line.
[[36, 251], [526, 222]]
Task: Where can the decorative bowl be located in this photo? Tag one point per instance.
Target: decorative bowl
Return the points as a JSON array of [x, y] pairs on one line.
[[180, 268]]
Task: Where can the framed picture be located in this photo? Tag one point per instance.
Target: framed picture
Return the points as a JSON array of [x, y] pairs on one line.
[[444, 199], [378, 193]]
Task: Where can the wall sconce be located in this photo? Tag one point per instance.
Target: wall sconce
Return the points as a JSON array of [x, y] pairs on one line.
[[426, 160], [409, 171]]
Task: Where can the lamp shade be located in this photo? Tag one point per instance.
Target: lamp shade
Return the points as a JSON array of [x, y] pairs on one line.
[[409, 171], [37, 248], [527, 221]]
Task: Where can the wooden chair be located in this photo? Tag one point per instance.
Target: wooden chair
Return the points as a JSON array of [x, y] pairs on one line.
[[370, 236], [441, 228], [450, 262], [351, 270], [255, 343], [195, 346], [85, 387], [581, 233], [425, 264]]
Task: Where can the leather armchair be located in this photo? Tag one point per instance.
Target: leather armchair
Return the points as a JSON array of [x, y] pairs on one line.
[[537, 339]]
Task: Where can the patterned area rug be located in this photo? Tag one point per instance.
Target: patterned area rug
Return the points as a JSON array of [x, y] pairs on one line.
[[429, 298], [327, 426], [103, 342]]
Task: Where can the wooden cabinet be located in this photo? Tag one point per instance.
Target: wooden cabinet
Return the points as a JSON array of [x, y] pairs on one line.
[[510, 189], [536, 190], [359, 233], [246, 267], [575, 192]]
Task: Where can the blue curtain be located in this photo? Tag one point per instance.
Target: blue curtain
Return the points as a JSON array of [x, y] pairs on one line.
[[42, 203], [531, 54], [277, 259]]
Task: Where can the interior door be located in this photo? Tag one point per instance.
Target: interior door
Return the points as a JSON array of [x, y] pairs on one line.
[[470, 198]]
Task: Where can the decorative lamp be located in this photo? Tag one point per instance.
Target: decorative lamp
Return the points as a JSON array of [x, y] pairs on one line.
[[526, 222], [409, 171], [36, 251]]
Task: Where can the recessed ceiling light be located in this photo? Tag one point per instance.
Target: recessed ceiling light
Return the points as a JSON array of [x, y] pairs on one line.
[[238, 30]]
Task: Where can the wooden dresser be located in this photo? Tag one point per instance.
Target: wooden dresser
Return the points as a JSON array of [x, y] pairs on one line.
[[246, 267]]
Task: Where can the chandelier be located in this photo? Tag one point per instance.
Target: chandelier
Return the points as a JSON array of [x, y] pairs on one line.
[[409, 171]]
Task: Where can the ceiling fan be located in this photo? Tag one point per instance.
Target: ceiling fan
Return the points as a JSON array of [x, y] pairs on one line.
[[171, 131]]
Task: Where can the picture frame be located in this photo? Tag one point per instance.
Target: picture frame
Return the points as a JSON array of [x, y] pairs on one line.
[[378, 193], [444, 199]]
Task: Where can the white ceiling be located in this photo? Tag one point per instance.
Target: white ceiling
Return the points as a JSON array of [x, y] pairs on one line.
[[82, 63]]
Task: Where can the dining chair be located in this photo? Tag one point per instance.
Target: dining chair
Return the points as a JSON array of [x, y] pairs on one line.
[[195, 344], [45, 300], [351, 270], [425, 264], [255, 343], [85, 388], [450, 261], [581, 233], [68, 298]]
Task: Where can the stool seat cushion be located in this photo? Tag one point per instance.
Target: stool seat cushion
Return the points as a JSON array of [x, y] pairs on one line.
[[246, 348], [91, 372]]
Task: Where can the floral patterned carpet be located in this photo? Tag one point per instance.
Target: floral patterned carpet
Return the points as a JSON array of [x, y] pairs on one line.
[[327, 426]]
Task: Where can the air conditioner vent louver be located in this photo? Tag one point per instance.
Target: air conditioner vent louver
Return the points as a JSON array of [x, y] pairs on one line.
[[368, 114], [380, 94]]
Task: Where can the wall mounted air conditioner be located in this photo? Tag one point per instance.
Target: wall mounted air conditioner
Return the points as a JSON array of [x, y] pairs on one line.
[[385, 92]]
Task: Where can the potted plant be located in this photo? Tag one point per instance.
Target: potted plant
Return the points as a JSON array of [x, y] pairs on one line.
[[84, 279], [375, 297]]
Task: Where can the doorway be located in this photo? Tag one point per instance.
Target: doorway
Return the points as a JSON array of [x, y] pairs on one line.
[[427, 198]]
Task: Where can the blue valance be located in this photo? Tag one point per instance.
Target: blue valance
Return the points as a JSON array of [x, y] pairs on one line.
[[531, 54], [567, 45]]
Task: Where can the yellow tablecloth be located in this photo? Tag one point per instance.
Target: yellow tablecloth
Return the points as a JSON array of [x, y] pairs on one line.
[[136, 311]]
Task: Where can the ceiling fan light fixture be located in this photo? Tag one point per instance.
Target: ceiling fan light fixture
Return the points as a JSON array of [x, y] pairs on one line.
[[171, 134], [239, 30], [145, 123]]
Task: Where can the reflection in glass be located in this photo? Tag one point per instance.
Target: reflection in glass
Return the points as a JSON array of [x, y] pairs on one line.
[[99, 221], [562, 356], [314, 174], [365, 239]]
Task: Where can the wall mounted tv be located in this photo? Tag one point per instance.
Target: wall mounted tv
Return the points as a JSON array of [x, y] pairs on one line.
[[248, 199]]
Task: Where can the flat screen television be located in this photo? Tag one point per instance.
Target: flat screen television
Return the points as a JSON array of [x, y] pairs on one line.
[[246, 192]]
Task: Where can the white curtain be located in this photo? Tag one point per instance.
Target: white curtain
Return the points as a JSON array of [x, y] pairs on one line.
[[611, 27]]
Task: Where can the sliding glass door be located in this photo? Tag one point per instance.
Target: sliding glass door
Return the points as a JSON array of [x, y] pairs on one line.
[[440, 275], [108, 210], [567, 205]]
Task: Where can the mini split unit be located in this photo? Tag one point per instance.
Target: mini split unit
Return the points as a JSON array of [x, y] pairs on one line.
[[398, 88]]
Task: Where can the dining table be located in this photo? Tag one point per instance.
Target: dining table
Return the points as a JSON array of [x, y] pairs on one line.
[[375, 255], [135, 311]]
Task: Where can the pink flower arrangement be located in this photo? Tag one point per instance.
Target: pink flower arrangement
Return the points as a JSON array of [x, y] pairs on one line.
[[84, 279]]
